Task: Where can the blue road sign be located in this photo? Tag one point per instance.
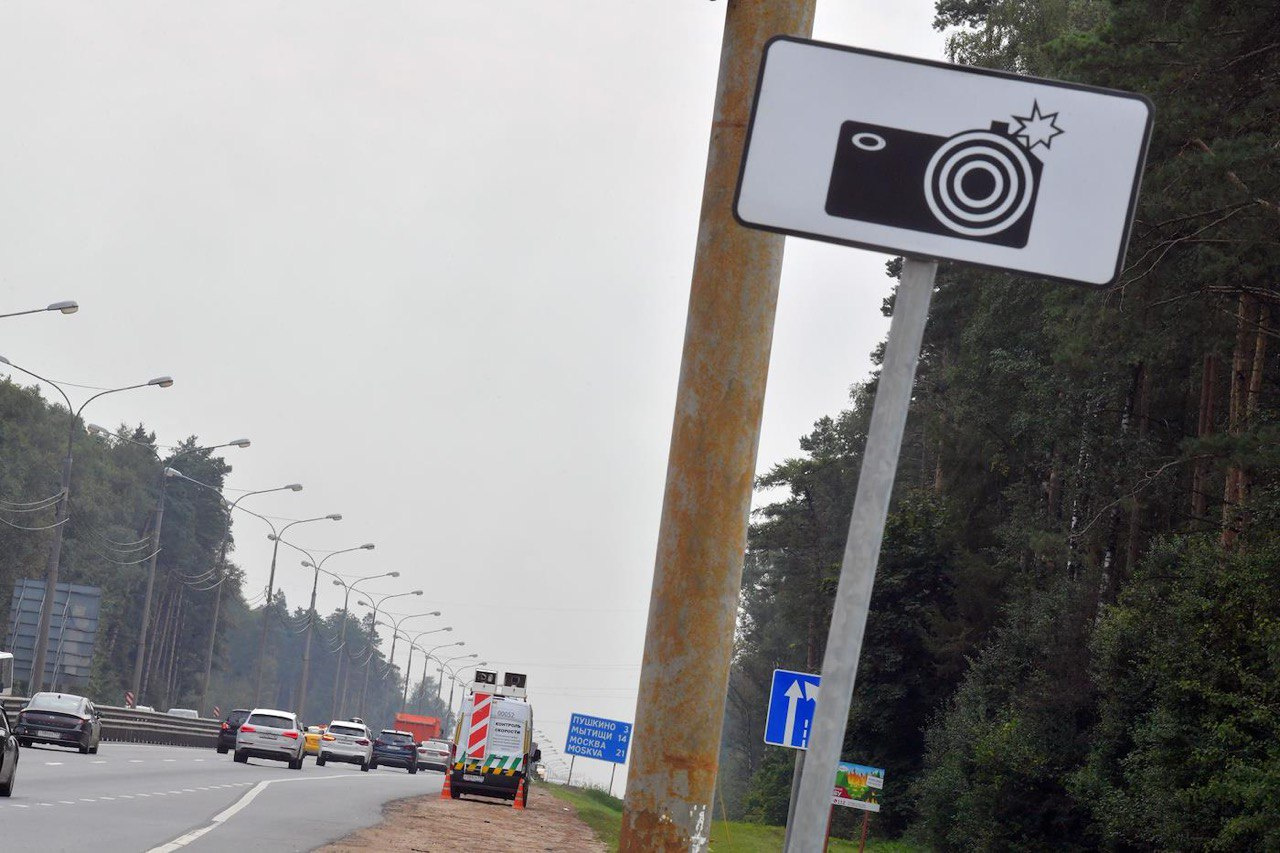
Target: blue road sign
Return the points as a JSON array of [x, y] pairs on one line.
[[596, 737], [792, 700]]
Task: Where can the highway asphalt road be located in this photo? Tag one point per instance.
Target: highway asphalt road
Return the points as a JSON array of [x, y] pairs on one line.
[[131, 797]]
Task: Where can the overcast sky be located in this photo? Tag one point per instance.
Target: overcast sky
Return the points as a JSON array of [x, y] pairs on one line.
[[433, 259]]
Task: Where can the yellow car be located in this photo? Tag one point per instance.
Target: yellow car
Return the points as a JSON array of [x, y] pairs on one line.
[[312, 736]]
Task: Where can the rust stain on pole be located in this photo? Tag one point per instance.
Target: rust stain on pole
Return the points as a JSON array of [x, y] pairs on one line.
[[714, 441]]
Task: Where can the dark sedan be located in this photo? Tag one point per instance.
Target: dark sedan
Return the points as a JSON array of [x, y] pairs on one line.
[[60, 718], [395, 749], [231, 725]]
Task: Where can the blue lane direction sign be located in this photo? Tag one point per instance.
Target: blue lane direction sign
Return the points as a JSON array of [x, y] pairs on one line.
[[792, 700], [596, 737]]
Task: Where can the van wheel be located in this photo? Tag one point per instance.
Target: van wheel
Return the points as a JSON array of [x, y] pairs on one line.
[[364, 766], [320, 760], [222, 750]]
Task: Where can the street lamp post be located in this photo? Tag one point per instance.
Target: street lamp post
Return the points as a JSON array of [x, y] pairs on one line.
[[453, 682], [452, 674], [431, 656], [413, 644], [221, 567], [342, 638], [373, 628], [271, 580], [141, 653], [311, 612], [394, 625], [60, 517], [69, 306]]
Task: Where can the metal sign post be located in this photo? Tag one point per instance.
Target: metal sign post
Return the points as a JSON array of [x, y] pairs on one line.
[[862, 551]]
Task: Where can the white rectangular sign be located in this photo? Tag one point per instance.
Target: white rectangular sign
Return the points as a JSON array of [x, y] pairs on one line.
[[943, 161]]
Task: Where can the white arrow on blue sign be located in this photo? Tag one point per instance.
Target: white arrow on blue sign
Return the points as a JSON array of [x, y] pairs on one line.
[[792, 700]]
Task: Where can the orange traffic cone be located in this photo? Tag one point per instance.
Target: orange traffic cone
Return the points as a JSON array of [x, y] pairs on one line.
[[520, 796], [446, 793]]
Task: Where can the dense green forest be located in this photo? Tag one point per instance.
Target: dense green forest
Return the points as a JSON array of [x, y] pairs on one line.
[[1074, 641], [115, 487]]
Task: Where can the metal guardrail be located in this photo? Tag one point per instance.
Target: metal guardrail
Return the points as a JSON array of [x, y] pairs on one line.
[[132, 726]]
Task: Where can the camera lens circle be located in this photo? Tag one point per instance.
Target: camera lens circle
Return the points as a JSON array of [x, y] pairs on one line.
[[995, 181], [1001, 182]]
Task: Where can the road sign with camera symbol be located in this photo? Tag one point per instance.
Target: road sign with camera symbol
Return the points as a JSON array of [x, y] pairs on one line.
[[943, 161]]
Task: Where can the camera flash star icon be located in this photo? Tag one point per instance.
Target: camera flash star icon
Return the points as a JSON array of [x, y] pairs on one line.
[[1037, 129]]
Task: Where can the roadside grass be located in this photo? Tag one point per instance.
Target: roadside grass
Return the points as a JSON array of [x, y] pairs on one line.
[[597, 809], [603, 814]]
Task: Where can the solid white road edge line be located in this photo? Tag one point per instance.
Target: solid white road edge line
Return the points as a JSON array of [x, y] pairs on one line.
[[233, 809]]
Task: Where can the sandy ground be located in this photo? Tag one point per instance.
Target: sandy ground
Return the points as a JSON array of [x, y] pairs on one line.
[[431, 825]]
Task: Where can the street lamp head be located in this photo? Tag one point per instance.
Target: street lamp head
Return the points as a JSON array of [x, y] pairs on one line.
[[4, 360], [172, 472], [162, 381], [450, 628], [308, 564], [239, 442], [67, 306], [416, 592], [362, 603], [368, 546], [337, 516], [434, 613], [394, 574], [338, 583], [294, 487], [271, 536]]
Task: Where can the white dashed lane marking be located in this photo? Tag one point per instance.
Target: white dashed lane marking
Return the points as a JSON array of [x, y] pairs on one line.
[[132, 796], [53, 764]]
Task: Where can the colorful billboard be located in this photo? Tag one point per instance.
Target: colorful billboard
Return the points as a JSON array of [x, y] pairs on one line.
[[858, 786]]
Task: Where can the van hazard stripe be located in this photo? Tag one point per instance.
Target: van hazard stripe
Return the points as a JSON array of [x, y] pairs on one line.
[[479, 735]]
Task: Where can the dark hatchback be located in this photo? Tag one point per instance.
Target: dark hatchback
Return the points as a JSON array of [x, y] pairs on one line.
[[59, 718], [395, 749], [231, 725]]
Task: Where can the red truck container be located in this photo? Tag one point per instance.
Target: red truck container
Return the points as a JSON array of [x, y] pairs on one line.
[[422, 728]]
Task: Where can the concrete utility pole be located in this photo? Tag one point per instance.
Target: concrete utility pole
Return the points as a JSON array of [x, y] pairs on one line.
[[714, 441]]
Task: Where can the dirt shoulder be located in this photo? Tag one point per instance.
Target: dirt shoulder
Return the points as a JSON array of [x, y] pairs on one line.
[[431, 825]]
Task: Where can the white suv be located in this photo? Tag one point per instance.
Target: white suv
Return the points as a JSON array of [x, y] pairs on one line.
[[346, 740], [268, 733]]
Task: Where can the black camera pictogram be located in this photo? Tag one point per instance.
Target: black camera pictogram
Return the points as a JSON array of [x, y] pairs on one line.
[[978, 184]]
